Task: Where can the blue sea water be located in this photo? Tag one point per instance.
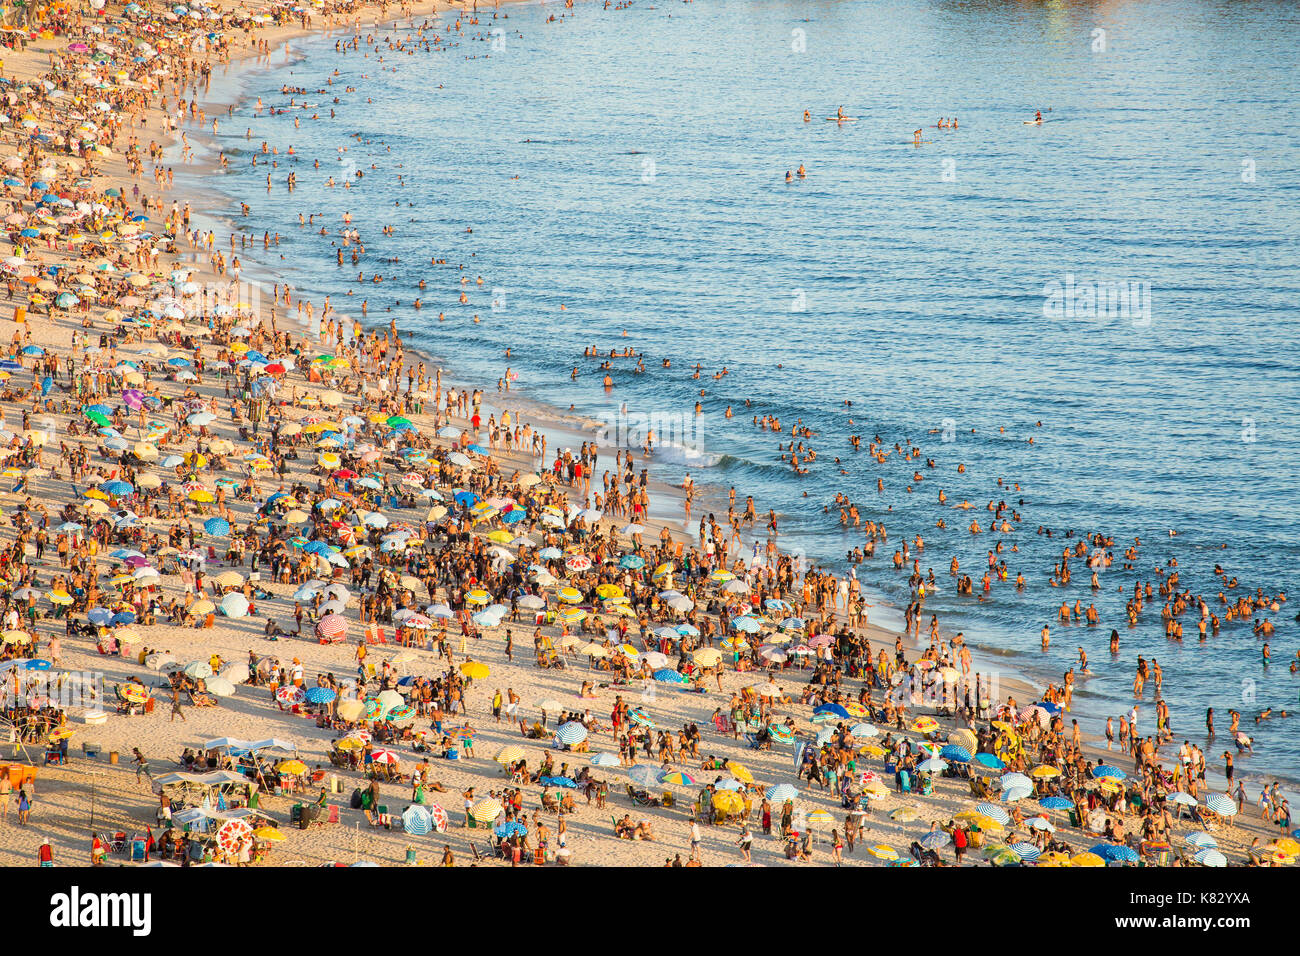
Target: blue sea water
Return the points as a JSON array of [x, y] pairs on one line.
[[625, 171]]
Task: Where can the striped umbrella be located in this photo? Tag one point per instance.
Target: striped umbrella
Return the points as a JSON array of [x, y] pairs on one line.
[[1202, 841], [510, 754], [1014, 793], [571, 733], [1222, 805], [782, 792], [486, 810], [1211, 857], [994, 812], [604, 760], [1016, 780], [401, 715], [1026, 851], [384, 756], [639, 716], [332, 627], [864, 730], [417, 820], [372, 710], [963, 738], [678, 778], [820, 820]]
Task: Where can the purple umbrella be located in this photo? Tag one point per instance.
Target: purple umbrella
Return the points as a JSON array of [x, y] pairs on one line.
[[134, 398]]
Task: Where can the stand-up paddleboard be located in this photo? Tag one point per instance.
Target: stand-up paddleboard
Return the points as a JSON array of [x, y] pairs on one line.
[[841, 119], [1033, 122]]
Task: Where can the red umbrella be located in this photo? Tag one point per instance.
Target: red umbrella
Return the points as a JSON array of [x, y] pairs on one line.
[[332, 627], [275, 368], [385, 756], [345, 473]]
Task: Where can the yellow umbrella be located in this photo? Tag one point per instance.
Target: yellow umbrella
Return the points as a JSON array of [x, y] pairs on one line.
[[60, 597], [1086, 859], [96, 494], [620, 609], [291, 767], [230, 579], [510, 754], [1044, 772], [486, 810], [199, 608], [925, 725], [17, 637], [728, 801], [706, 656], [475, 669], [201, 495], [740, 772], [608, 591], [872, 750], [270, 834]]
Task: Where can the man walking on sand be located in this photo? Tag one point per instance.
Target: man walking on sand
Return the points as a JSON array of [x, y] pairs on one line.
[[176, 705], [141, 765]]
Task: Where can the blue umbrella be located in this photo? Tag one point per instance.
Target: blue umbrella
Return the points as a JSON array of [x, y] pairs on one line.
[[510, 828], [33, 350], [467, 498], [955, 754], [415, 820], [746, 624], [99, 616], [1105, 771], [632, 562], [1026, 851], [122, 617], [1055, 803], [647, 775], [1202, 841], [669, 676], [571, 733], [217, 526], [782, 792], [935, 840], [116, 488], [835, 709], [993, 812], [1211, 857], [320, 695], [566, 783], [38, 664]]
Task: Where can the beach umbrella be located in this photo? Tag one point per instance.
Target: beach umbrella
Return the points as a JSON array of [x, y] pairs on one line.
[[782, 792], [740, 772], [198, 670], [232, 835], [234, 605], [604, 760], [1108, 772], [1211, 857], [571, 733], [332, 627], [1201, 840], [955, 754], [882, 852], [993, 812], [1016, 780], [678, 778], [510, 754], [1055, 803], [475, 670], [933, 765], [289, 695], [1222, 805], [1040, 823], [905, 814], [220, 686], [320, 695], [925, 725], [217, 527], [668, 676], [1026, 851], [486, 810], [417, 820], [647, 775], [1087, 859], [935, 840], [991, 761], [351, 709]]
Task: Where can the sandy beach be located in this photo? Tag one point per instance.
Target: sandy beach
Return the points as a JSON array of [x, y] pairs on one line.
[[157, 333]]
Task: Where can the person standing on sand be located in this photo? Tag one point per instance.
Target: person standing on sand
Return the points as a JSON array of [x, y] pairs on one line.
[[45, 853], [141, 765], [176, 706]]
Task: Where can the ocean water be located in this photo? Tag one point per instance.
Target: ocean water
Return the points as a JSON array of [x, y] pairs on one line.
[[624, 172]]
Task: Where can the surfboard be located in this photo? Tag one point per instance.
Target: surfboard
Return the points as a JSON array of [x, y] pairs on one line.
[[1033, 122], [846, 119]]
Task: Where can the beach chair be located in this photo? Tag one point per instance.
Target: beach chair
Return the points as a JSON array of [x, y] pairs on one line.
[[118, 843], [139, 853]]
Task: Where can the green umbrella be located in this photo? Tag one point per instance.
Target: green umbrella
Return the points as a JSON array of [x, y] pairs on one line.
[[99, 418], [398, 420]]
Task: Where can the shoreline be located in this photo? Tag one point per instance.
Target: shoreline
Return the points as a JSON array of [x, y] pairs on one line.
[[578, 426]]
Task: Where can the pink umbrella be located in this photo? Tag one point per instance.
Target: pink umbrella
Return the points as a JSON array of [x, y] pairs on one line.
[[134, 398]]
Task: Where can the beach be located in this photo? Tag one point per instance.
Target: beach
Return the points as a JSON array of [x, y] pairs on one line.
[[445, 538]]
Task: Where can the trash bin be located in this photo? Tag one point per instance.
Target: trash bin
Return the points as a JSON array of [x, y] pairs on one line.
[[112, 756]]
